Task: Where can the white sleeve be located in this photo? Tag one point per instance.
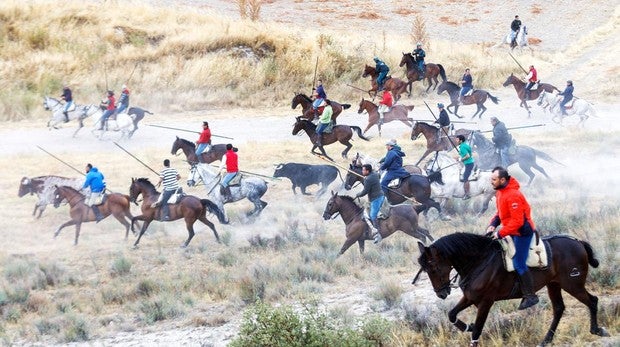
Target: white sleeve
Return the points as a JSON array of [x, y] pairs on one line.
[[529, 75], [223, 162]]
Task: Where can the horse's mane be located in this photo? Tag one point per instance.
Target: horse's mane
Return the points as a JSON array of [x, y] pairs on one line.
[[460, 246], [185, 142], [350, 199], [148, 183], [305, 97], [71, 189], [452, 84]]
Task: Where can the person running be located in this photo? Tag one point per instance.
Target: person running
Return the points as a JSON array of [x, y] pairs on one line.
[[467, 158], [204, 141], [169, 178]]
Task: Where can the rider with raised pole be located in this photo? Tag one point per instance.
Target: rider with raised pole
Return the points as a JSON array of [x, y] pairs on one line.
[[532, 78]]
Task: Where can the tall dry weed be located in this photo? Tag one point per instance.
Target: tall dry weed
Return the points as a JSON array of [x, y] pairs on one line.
[[418, 31]]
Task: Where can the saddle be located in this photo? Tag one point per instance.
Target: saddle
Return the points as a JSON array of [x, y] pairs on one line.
[[537, 256], [395, 183], [474, 176], [100, 200], [177, 196], [71, 108], [570, 104], [236, 180], [329, 128], [384, 210], [470, 92]]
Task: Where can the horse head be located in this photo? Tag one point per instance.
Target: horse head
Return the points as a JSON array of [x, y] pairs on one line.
[[437, 268], [442, 87], [332, 206], [541, 97], [403, 61], [416, 130], [352, 175], [369, 70], [176, 145], [510, 80], [194, 176], [362, 106], [58, 196], [299, 125]]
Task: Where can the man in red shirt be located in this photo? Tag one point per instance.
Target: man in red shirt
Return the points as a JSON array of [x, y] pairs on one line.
[[385, 104], [532, 78], [110, 105], [513, 212], [230, 160], [204, 141]]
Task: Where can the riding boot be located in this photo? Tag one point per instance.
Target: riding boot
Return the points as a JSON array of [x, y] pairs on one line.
[[527, 94], [165, 212], [98, 216], [377, 237], [466, 189], [66, 116], [225, 191], [527, 288], [319, 139]]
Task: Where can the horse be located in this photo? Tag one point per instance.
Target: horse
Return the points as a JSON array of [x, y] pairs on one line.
[[308, 111], [432, 143], [445, 177], [396, 112], [215, 153], [525, 156], [393, 84], [126, 123], [576, 106], [402, 217], [341, 133], [113, 204], [249, 187], [189, 207], [431, 71], [413, 186], [478, 262], [478, 97], [520, 42], [519, 86], [79, 112]]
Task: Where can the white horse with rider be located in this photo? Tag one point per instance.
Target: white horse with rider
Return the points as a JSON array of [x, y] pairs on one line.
[[77, 112], [576, 106], [126, 122], [520, 42]]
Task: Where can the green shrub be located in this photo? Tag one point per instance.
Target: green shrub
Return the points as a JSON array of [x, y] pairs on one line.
[[76, 329], [47, 326], [160, 308], [389, 292], [146, 287], [121, 266], [227, 259]]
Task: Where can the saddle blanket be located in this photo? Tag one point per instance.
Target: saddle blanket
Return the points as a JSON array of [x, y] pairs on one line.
[[176, 197], [470, 92], [536, 258], [236, 180]]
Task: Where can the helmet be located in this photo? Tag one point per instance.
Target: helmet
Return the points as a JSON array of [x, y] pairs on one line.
[[440, 105]]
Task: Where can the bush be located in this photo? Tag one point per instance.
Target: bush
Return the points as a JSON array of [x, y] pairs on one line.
[[146, 287], [160, 308], [389, 292], [121, 266], [76, 329]]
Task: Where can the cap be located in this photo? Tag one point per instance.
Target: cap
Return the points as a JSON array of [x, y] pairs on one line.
[[440, 105], [569, 82], [205, 123], [392, 142]]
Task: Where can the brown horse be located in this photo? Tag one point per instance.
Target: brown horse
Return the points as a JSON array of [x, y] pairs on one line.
[[340, 133], [397, 112], [215, 153], [478, 97], [393, 84], [431, 71], [432, 143], [113, 204], [484, 280], [308, 112], [520, 89], [189, 208], [402, 217]]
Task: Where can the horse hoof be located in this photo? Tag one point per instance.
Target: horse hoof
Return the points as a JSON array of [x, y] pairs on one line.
[[601, 332], [135, 247]]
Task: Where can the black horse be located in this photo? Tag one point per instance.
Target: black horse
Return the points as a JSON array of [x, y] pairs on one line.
[[478, 97], [525, 156], [478, 262], [416, 186]]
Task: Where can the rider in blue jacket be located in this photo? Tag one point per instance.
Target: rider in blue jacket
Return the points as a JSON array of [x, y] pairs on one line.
[[568, 96], [393, 164], [383, 70], [94, 180]]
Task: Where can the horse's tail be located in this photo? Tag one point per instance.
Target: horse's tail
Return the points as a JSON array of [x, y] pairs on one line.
[[211, 207], [147, 111], [495, 99], [442, 72], [345, 106], [358, 130], [591, 259], [546, 157]]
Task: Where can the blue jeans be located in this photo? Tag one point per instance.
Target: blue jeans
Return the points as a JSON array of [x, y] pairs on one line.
[[464, 90], [504, 156], [121, 108], [375, 205], [563, 104], [321, 128], [201, 148], [316, 103], [381, 78], [229, 176], [389, 176], [67, 106], [522, 247], [421, 66]]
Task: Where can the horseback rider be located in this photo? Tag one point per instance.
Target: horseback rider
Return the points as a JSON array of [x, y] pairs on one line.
[[568, 96], [319, 95], [466, 85], [372, 188], [418, 54], [513, 212], [515, 26], [231, 161], [392, 164], [532, 78], [467, 158], [68, 98], [123, 101], [170, 178], [110, 106], [324, 121], [385, 104], [443, 121], [95, 181], [502, 140], [204, 141], [382, 69]]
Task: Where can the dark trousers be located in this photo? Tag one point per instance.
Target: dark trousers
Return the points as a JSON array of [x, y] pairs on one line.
[[165, 196]]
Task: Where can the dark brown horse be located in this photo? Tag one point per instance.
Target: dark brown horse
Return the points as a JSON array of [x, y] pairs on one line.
[[397, 112], [113, 204], [484, 280], [341, 133], [414, 186], [520, 89], [393, 84], [432, 144], [308, 112], [431, 71], [215, 153], [402, 217], [189, 208], [478, 97]]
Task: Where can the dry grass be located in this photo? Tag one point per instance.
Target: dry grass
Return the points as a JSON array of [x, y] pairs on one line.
[[536, 9]]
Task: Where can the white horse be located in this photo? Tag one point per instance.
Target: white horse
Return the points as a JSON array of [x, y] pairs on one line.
[[576, 106], [249, 187], [444, 173], [520, 42], [126, 123], [79, 112]]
